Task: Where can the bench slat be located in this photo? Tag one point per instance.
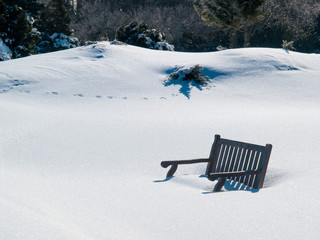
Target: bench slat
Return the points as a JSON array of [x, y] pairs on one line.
[[212, 176], [241, 144], [254, 166], [249, 167]]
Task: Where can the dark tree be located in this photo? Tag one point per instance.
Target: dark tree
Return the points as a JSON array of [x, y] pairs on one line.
[[55, 18], [4, 15], [233, 15], [30, 6], [16, 29]]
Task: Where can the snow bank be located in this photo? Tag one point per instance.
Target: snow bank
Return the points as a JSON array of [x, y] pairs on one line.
[[83, 132]]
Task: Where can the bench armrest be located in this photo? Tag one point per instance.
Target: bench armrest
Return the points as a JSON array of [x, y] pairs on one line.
[[224, 175], [174, 164]]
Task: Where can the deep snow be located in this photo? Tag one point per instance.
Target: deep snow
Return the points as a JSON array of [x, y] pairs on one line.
[[83, 132]]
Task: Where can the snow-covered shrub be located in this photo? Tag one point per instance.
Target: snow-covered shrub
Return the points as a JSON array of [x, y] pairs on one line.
[[221, 48], [189, 74], [86, 43], [187, 78], [55, 28], [62, 41], [5, 52], [140, 35], [287, 45], [17, 30], [56, 42], [116, 42]]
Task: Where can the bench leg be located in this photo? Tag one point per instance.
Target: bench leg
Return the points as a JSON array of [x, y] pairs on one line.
[[172, 170], [219, 184]]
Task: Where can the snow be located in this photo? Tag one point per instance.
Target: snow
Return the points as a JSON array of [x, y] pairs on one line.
[[5, 52], [83, 132]]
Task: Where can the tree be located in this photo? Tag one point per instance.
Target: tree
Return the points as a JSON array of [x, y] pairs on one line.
[[16, 28], [55, 27], [55, 18], [30, 6], [233, 15], [3, 17]]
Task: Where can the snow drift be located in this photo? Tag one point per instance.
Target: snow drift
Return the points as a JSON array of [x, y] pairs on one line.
[[83, 132]]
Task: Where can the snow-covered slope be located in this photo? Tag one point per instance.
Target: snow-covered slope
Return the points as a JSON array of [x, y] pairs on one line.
[[83, 132]]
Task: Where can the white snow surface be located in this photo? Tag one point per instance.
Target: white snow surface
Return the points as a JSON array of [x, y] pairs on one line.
[[5, 52], [83, 132]]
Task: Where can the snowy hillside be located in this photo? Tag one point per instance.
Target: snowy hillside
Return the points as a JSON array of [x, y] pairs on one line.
[[83, 132]]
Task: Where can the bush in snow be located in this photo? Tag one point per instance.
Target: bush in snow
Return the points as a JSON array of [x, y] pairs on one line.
[[5, 52], [221, 48], [56, 33], [189, 74], [56, 42], [17, 30], [116, 42], [140, 35], [287, 45], [187, 78]]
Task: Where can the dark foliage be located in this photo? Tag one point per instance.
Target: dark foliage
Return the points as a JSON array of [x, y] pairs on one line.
[[140, 35], [17, 30], [55, 18], [22, 20], [32, 6]]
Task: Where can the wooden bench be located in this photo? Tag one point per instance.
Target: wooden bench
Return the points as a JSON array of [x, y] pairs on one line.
[[242, 162]]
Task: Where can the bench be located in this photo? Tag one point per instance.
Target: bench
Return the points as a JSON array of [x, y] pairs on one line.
[[242, 162]]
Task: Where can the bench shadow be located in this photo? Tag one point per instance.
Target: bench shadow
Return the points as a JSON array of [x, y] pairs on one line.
[[164, 180], [231, 185]]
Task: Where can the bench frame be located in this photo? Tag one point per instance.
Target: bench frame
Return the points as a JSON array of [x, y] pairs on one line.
[[242, 162]]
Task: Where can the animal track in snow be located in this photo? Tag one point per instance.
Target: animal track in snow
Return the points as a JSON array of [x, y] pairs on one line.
[[11, 84]]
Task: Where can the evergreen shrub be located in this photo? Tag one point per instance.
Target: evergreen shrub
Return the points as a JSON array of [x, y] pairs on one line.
[[191, 74], [17, 31], [287, 45], [140, 35]]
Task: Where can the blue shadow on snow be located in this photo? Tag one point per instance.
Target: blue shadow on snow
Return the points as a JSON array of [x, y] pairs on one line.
[[187, 85]]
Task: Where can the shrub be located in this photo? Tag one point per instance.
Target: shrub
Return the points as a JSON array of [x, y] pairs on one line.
[[187, 78], [189, 74], [140, 35], [56, 42], [287, 45], [5, 52], [17, 31]]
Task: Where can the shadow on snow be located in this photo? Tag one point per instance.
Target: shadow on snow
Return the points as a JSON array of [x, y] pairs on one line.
[[187, 85]]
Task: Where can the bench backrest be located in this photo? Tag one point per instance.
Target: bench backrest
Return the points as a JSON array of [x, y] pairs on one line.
[[231, 156]]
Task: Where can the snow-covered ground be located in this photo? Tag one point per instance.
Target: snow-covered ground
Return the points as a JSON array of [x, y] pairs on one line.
[[83, 132]]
